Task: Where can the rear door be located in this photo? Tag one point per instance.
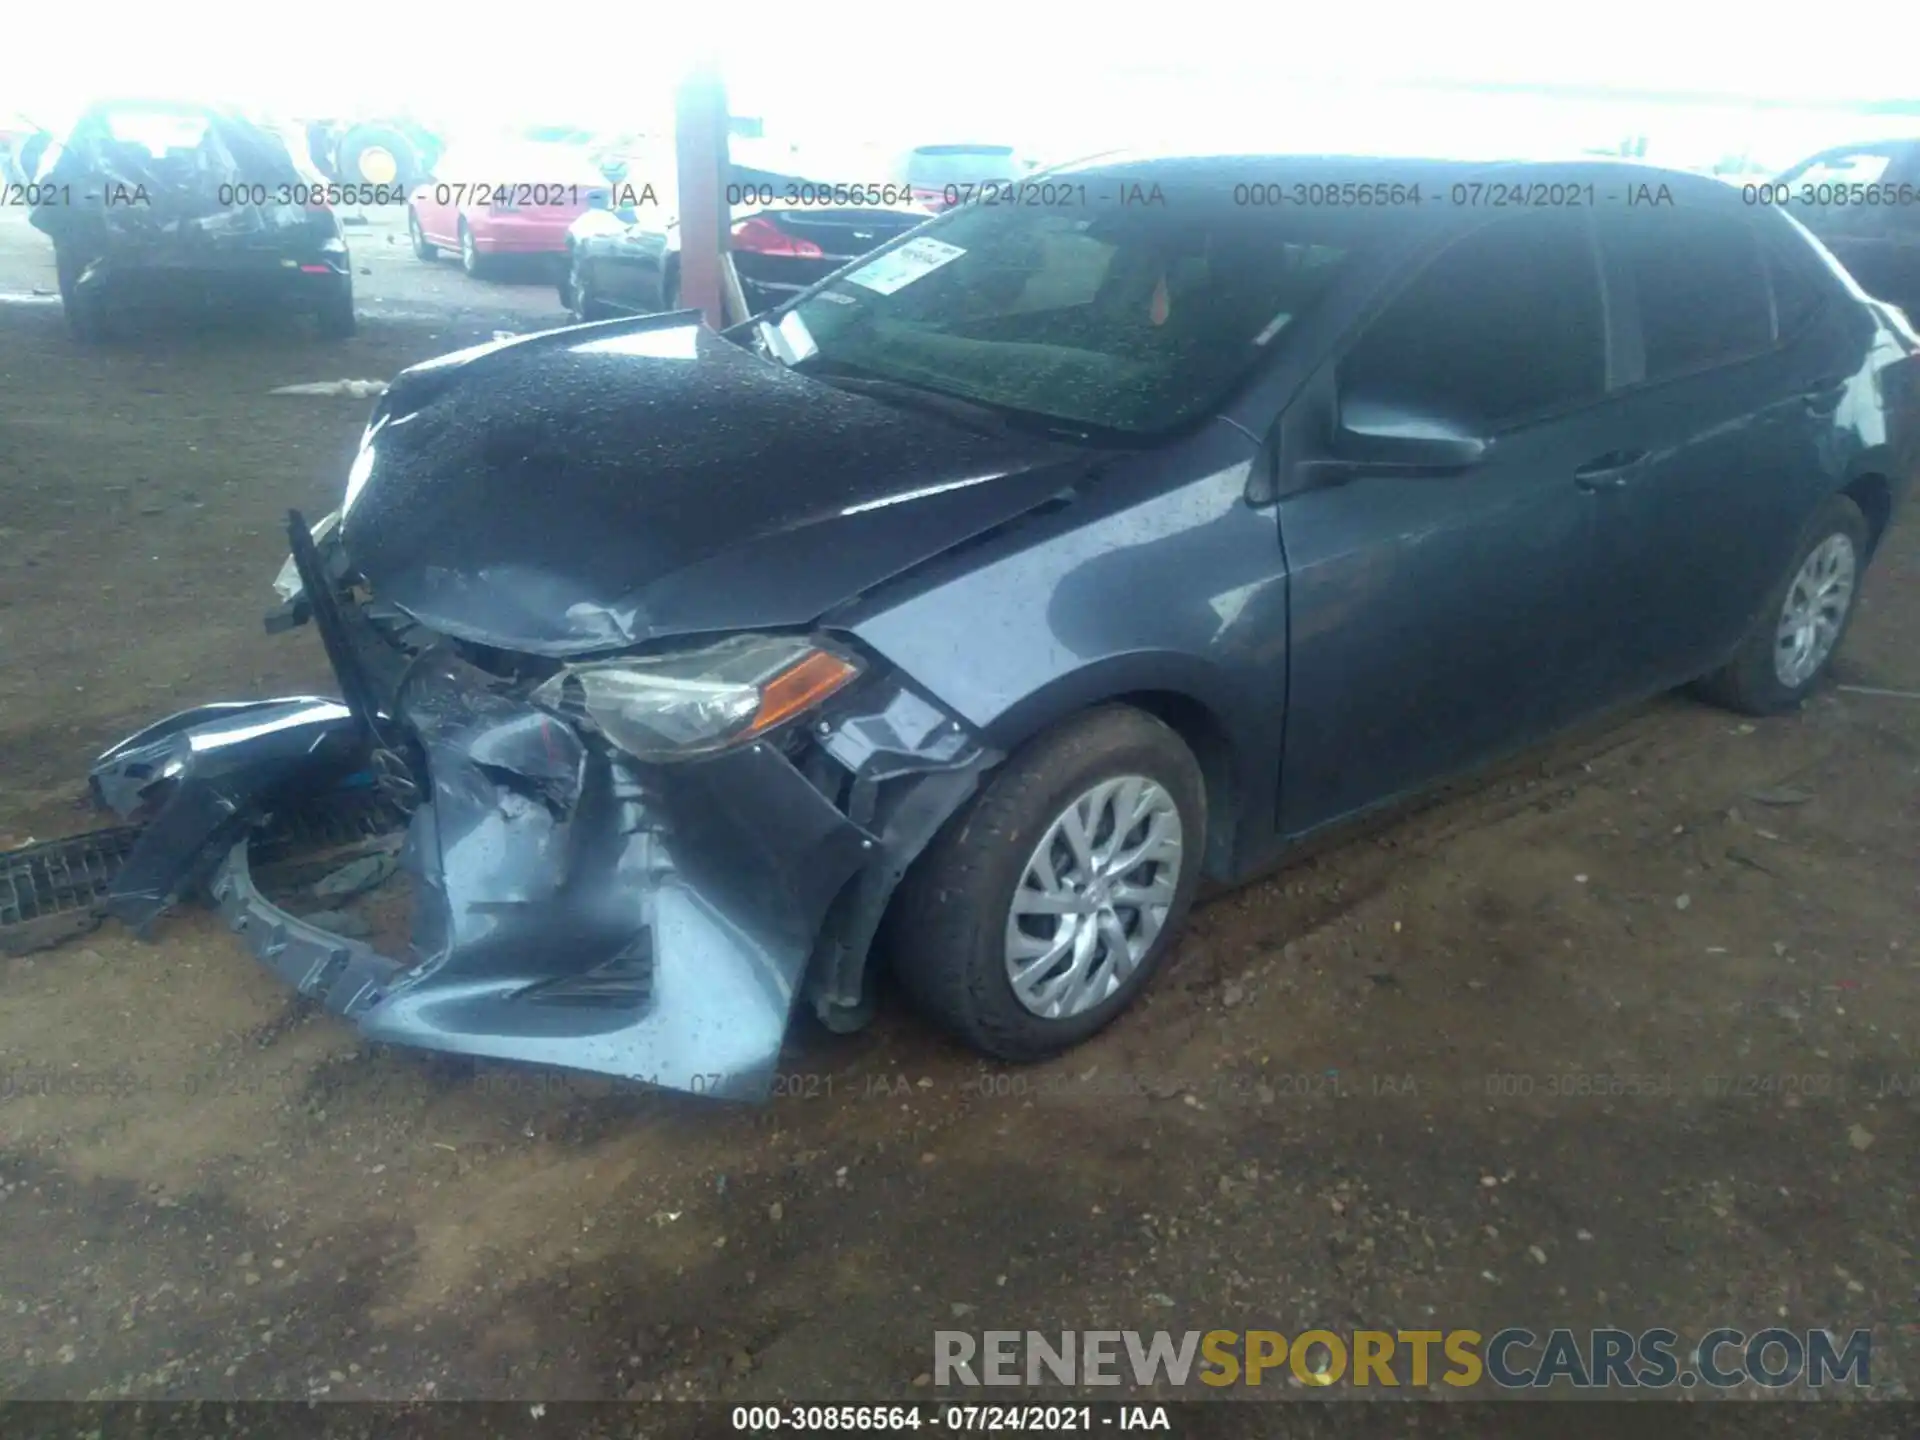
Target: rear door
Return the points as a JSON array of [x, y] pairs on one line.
[[1438, 619], [1713, 478]]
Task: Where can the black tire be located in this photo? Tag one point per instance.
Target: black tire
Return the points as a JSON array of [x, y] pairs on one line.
[[1750, 683], [359, 148], [586, 306], [423, 248], [334, 317], [945, 931], [472, 262], [85, 320]]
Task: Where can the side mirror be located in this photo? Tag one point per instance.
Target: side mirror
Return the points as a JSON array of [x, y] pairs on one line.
[[1401, 437]]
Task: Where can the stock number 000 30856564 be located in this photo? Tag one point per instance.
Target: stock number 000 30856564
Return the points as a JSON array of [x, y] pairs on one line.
[[993, 1418]]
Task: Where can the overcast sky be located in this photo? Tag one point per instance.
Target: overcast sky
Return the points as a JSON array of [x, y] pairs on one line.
[[1015, 63]]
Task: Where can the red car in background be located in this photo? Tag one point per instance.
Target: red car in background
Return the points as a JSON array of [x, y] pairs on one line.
[[501, 200]]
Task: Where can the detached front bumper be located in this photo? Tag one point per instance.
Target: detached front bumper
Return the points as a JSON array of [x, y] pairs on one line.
[[571, 907]]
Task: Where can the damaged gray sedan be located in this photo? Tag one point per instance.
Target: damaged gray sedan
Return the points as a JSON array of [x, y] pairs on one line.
[[960, 616]]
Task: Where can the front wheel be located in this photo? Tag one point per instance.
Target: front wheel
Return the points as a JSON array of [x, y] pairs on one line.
[[1043, 908], [423, 248], [1797, 631]]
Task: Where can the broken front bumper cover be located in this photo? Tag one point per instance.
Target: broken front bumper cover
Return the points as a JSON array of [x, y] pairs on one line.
[[571, 907]]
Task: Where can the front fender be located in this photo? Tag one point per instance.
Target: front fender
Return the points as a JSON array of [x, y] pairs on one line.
[[1163, 591]]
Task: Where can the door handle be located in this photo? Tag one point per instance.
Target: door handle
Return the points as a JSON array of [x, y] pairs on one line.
[[1824, 398], [1610, 471]]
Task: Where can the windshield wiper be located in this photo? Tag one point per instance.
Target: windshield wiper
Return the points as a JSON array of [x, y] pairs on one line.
[[1001, 417]]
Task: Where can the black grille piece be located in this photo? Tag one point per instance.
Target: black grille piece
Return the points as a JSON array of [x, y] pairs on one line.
[[339, 822], [57, 889]]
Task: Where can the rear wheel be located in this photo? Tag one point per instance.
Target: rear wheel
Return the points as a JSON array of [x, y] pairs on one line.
[[424, 248], [334, 316], [586, 306], [85, 320], [1797, 631], [1043, 908], [471, 260]]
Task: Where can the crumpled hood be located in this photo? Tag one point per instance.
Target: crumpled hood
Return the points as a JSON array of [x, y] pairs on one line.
[[600, 486]]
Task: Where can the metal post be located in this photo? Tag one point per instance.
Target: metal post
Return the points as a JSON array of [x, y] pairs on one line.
[[700, 147]]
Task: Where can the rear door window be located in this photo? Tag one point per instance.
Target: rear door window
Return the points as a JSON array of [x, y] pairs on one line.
[[1699, 285], [1507, 325]]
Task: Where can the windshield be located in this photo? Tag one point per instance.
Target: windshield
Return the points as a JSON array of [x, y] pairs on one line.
[[158, 131], [1135, 318]]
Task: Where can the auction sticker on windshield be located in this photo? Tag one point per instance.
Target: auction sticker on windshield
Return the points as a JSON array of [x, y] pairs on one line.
[[898, 269]]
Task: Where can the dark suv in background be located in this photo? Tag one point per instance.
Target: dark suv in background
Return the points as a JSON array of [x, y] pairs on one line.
[[1864, 202], [159, 201]]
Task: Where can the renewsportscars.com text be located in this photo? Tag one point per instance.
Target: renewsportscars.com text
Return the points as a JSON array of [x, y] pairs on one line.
[[1514, 1358]]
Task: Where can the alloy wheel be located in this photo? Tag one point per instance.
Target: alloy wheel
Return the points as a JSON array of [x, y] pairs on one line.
[[1814, 612], [1094, 897]]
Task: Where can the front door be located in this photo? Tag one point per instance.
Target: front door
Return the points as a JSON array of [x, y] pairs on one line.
[[1439, 619]]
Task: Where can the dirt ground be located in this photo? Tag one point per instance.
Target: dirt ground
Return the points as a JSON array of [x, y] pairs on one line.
[[1352, 1105]]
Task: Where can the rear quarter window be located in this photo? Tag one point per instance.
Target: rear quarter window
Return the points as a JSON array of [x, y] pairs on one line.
[[1799, 283]]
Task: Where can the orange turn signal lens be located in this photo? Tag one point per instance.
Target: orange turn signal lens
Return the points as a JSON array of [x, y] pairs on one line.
[[808, 682]]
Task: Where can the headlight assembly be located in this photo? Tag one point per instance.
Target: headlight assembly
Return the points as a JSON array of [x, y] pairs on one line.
[[695, 702]]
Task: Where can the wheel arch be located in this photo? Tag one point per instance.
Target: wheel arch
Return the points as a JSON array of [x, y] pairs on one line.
[[1182, 692], [839, 980], [1872, 490]]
